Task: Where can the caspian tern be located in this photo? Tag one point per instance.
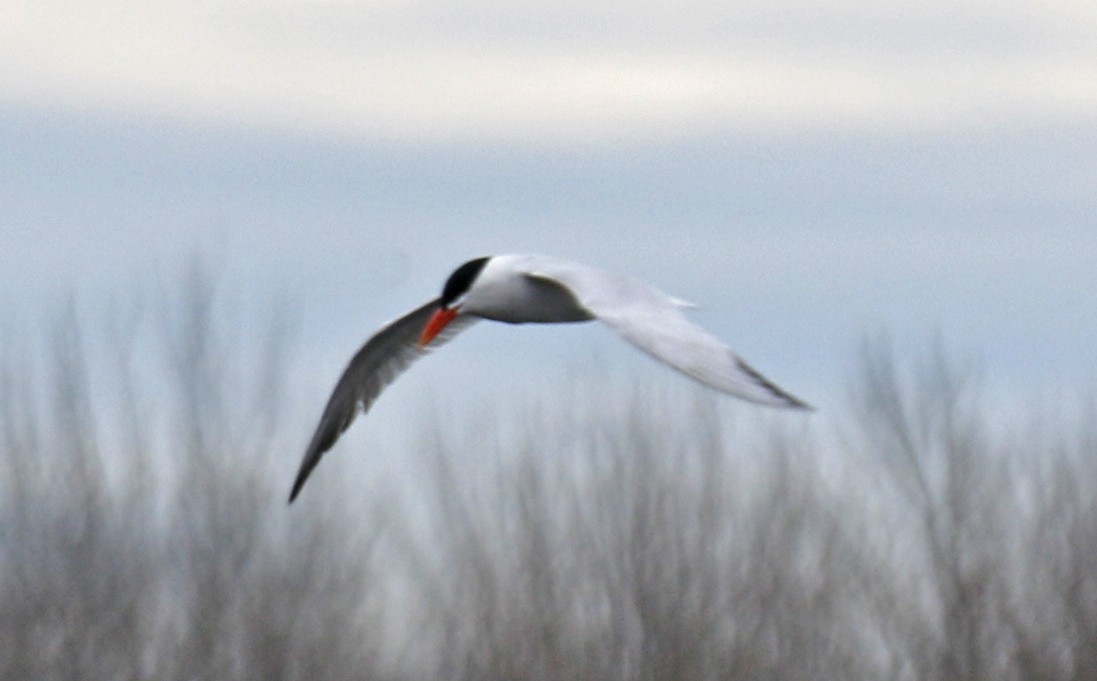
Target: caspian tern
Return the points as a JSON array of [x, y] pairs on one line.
[[518, 289]]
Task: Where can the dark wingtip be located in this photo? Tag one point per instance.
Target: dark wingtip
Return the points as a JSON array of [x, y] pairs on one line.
[[297, 485], [323, 440], [800, 404], [790, 401], [307, 465], [302, 475]]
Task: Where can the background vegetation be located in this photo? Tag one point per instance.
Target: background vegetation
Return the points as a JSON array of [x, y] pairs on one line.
[[911, 534]]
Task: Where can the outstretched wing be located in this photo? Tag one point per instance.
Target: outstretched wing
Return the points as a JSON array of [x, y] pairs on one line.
[[384, 357], [653, 321]]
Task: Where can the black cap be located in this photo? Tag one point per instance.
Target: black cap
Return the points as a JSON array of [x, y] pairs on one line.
[[461, 280]]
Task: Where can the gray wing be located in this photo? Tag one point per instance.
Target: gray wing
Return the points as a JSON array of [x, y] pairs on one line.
[[653, 321], [384, 357]]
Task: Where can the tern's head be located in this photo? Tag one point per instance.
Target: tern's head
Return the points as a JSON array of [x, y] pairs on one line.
[[459, 283], [453, 295]]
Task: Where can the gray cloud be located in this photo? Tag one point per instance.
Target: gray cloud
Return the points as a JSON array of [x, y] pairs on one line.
[[596, 72]]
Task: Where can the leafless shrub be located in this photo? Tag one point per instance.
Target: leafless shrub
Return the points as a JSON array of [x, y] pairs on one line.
[[608, 535], [154, 546], [655, 541], [636, 543], [990, 513]]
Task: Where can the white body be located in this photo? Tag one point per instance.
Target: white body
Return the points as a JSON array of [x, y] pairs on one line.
[[502, 293]]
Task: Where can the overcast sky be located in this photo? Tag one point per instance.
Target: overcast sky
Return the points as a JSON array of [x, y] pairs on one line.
[[807, 172], [562, 72]]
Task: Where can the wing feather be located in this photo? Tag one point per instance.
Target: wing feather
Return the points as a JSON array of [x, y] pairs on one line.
[[653, 321], [387, 354]]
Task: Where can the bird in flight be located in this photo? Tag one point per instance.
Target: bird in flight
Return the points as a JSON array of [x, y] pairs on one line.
[[520, 289]]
